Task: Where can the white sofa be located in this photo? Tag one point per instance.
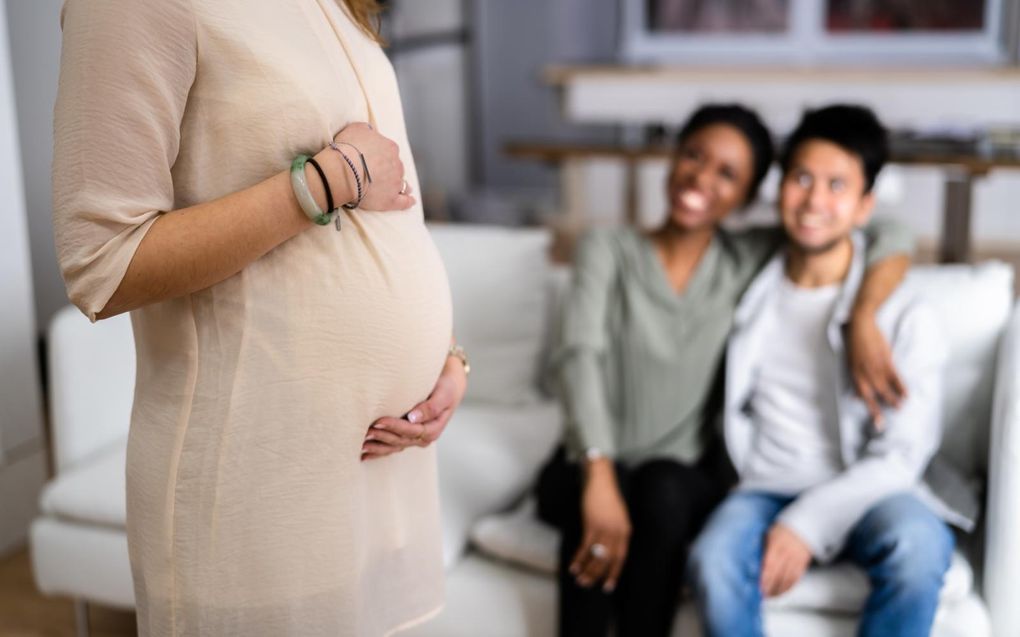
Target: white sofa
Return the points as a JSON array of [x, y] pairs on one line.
[[499, 558]]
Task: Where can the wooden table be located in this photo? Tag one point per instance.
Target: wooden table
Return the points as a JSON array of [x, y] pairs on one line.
[[960, 171]]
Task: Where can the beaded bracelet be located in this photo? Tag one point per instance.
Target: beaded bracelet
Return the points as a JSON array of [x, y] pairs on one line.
[[364, 164], [299, 183], [351, 205], [364, 168]]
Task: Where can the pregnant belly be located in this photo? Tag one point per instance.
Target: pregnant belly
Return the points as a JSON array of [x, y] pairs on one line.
[[391, 319], [260, 390], [346, 327]]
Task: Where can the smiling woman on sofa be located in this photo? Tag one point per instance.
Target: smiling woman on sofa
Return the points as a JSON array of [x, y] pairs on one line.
[[204, 152], [644, 331]]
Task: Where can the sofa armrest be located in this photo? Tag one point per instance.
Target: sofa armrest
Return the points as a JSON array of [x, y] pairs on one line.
[[1002, 540], [91, 384]]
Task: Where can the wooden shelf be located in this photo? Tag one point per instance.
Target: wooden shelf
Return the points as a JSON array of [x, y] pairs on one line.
[[555, 153], [561, 75]]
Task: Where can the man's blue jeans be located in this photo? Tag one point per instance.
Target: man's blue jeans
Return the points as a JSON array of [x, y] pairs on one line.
[[902, 546]]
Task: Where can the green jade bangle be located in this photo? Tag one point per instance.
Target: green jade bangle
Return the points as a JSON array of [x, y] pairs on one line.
[[299, 182]]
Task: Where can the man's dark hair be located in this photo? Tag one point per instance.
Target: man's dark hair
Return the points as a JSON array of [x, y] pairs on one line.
[[749, 124], [853, 128]]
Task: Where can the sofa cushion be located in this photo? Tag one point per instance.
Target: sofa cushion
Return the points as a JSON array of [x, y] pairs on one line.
[[89, 416], [519, 538], [489, 456], [499, 284], [81, 560], [488, 597], [93, 491], [516, 536]]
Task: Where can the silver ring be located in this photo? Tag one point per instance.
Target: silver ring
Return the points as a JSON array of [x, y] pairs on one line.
[[403, 187], [598, 551]]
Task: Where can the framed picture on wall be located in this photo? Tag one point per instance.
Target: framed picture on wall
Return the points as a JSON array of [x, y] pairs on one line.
[[719, 16], [806, 32], [906, 16]]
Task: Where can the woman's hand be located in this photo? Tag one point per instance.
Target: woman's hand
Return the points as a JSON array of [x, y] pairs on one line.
[[425, 422], [388, 190], [871, 365], [606, 525]]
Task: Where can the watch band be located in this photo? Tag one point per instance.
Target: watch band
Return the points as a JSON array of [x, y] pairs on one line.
[[458, 352]]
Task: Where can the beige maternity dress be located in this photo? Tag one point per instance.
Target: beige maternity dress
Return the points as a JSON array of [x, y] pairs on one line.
[[249, 510]]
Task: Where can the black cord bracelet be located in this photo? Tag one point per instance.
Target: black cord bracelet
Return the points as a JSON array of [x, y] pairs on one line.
[[325, 184]]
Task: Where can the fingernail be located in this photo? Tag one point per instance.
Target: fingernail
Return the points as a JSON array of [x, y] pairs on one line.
[[608, 588], [369, 437], [573, 570], [379, 426], [414, 416]]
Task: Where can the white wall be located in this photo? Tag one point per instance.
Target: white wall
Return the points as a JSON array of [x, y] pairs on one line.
[[34, 31], [514, 42], [434, 95], [22, 458]]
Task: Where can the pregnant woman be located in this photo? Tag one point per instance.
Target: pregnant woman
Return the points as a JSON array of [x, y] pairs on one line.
[[260, 498]]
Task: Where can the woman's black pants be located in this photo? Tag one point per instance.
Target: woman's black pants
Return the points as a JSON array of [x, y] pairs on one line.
[[667, 502]]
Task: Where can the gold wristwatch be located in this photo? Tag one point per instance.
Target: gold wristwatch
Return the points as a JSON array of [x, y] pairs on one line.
[[458, 352]]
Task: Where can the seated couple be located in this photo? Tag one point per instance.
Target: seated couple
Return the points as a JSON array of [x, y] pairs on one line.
[[795, 335]]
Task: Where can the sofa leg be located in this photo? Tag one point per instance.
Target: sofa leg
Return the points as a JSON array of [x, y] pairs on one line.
[[81, 618]]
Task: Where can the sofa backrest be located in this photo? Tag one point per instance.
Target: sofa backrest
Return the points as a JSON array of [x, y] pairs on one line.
[[91, 384], [499, 281], [973, 304]]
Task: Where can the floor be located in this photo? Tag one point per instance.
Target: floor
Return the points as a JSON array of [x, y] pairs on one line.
[[24, 612]]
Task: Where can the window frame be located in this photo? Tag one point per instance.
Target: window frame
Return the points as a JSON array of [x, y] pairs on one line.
[[807, 42]]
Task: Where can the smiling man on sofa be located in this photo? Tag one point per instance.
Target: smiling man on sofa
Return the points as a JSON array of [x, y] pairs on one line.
[[818, 478]]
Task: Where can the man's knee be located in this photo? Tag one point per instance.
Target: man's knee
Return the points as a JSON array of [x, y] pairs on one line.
[[911, 546], [717, 563]]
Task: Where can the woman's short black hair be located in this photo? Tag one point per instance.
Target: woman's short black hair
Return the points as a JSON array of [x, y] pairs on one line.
[[853, 128], [749, 124]]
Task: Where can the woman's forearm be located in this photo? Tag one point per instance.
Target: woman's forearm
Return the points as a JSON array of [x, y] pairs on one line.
[[193, 248]]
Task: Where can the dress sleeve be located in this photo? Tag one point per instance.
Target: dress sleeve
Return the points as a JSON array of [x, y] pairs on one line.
[[584, 341], [887, 237], [126, 69]]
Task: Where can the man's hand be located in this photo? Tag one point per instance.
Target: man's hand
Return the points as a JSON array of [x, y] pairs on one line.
[[871, 365], [786, 559], [425, 422]]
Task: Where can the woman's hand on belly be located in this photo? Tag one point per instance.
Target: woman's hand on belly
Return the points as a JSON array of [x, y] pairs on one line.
[[425, 422], [386, 188]]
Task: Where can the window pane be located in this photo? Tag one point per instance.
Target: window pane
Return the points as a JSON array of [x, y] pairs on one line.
[[906, 15], [718, 16]]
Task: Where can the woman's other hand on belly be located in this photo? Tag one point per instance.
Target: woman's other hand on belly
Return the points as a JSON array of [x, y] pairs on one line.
[[425, 422]]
